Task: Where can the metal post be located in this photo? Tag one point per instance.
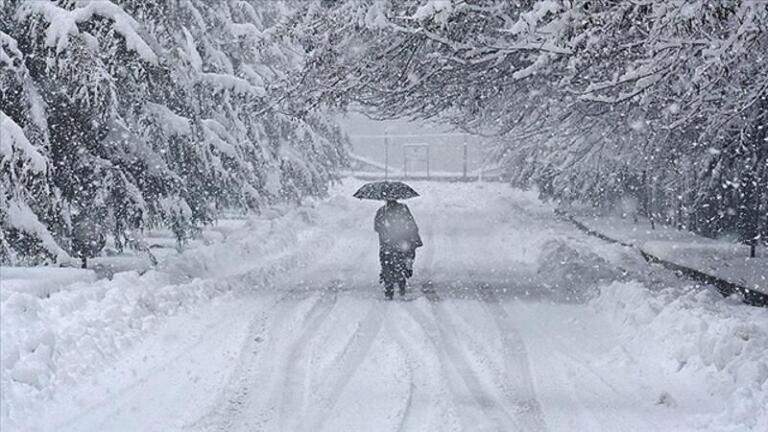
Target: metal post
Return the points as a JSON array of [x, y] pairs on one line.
[[386, 155], [464, 166], [405, 160]]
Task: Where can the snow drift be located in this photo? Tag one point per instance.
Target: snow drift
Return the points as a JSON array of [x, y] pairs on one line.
[[58, 331], [700, 337]]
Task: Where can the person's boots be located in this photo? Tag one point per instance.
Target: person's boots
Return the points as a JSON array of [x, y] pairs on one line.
[[389, 291], [402, 288]]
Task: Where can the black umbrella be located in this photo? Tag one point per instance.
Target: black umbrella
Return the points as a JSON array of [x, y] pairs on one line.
[[385, 190]]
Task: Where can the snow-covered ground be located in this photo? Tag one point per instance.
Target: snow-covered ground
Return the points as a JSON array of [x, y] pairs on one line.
[[727, 260], [514, 321]]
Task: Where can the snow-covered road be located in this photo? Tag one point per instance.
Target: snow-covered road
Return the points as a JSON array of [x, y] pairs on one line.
[[496, 334]]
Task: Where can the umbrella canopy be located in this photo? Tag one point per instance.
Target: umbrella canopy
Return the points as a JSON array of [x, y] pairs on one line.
[[385, 190]]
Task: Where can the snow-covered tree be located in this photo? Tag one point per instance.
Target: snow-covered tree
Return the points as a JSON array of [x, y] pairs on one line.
[[590, 99], [134, 114], [29, 204]]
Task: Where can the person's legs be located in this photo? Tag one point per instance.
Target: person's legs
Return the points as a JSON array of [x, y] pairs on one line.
[[388, 271], [389, 290], [383, 258], [400, 270], [408, 259]]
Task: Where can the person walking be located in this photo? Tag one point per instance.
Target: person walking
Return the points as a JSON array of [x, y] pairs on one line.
[[398, 233], [398, 240]]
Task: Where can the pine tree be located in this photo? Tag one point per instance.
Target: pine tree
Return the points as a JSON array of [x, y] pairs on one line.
[[149, 113]]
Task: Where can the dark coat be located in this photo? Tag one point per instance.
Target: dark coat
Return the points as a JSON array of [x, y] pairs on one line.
[[398, 240], [396, 227]]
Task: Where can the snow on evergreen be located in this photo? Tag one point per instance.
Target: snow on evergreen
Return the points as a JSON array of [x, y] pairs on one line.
[[62, 23], [125, 115], [13, 142]]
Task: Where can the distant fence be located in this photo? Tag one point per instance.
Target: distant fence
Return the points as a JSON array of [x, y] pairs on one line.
[[435, 178], [368, 169], [420, 154]]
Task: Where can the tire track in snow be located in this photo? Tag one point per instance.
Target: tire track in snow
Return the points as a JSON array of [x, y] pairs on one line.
[[516, 384], [354, 353], [580, 380], [292, 384], [430, 294], [522, 396], [126, 391], [422, 396], [475, 403], [263, 367], [406, 417], [569, 373], [235, 394]]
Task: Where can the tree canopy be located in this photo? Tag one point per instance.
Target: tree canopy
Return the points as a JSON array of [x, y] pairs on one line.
[[663, 100]]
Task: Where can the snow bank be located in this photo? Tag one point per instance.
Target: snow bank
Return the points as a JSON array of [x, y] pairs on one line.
[[40, 282], [573, 274], [719, 258], [701, 336], [58, 331]]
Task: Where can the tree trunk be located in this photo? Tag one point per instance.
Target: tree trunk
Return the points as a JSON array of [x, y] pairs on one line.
[[755, 239], [652, 204], [760, 177], [648, 199]]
